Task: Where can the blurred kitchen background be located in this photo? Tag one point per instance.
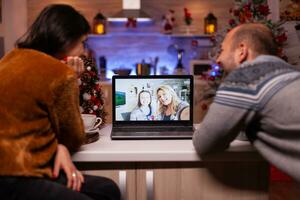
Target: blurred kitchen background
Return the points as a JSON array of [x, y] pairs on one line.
[[124, 46], [158, 34]]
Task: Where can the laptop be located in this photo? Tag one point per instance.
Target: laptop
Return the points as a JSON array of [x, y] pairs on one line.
[[152, 107]]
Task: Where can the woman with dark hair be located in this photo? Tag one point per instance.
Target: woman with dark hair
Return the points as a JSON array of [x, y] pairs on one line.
[[143, 110], [40, 120]]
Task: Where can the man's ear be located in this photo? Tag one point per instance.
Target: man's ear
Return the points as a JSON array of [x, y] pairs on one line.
[[243, 53]]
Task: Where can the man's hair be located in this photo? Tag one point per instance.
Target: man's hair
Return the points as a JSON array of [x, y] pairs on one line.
[[258, 36], [56, 28]]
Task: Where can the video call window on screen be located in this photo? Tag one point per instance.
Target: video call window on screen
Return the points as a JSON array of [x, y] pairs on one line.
[[152, 99]]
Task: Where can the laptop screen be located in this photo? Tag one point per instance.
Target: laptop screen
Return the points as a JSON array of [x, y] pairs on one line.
[[152, 99]]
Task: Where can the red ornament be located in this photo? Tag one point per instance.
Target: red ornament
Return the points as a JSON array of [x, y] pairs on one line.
[[231, 22], [195, 43], [211, 78], [248, 15], [247, 6], [236, 13], [264, 10], [93, 98], [281, 38], [131, 22]]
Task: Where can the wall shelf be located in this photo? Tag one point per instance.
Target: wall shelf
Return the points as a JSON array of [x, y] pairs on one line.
[[150, 34]]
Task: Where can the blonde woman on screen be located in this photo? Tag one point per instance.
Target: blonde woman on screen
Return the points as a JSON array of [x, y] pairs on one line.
[[170, 107]]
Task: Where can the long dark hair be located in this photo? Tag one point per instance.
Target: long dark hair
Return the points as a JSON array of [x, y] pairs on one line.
[[139, 101], [56, 28], [139, 98]]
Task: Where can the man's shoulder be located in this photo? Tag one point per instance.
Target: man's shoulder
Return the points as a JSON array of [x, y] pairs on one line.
[[257, 72], [254, 85]]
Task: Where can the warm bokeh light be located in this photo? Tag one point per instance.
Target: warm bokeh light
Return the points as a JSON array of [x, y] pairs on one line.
[[210, 28], [99, 29], [210, 24]]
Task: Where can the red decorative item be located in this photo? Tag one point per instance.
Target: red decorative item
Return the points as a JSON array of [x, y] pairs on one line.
[[187, 17], [131, 22], [257, 12], [264, 10], [195, 43], [91, 96], [168, 22]]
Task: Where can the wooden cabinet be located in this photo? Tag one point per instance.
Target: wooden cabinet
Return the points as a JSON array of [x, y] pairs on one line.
[[190, 181], [186, 180], [171, 169]]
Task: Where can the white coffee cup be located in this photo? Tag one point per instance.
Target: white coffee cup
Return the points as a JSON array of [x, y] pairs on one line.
[[91, 121]]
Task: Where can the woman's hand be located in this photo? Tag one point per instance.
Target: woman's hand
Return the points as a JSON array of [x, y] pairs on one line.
[[63, 161], [75, 62]]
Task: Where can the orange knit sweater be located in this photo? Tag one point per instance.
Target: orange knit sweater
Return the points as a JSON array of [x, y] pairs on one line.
[[39, 107]]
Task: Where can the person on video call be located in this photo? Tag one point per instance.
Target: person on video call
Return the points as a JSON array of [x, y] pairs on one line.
[[170, 107], [143, 110], [40, 122], [259, 95]]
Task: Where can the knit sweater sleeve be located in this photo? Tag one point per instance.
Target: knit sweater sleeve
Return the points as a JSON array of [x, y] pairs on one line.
[[220, 126], [230, 112], [240, 103], [70, 131]]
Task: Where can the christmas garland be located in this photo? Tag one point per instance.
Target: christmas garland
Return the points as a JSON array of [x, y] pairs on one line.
[[246, 11], [91, 96], [257, 11]]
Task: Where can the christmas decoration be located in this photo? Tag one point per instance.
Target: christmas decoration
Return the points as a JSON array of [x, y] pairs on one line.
[[168, 22], [246, 11], [257, 11], [187, 17], [91, 95], [213, 77], [131, 22]]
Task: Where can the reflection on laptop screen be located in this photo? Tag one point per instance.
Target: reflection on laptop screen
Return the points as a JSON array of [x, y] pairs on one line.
[[152, 99]]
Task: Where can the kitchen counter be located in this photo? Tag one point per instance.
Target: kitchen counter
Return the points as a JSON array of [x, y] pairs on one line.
[[107, 150], [171, 169]]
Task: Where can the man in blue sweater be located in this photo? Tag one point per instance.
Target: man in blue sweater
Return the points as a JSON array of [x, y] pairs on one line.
[[260, 95]]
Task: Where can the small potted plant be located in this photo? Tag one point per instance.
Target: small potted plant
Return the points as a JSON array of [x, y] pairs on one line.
[[187, 19]]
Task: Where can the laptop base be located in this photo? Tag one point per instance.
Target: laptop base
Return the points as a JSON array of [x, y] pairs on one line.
[[163, 134]]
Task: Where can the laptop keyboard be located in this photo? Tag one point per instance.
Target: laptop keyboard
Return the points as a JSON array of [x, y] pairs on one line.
[[153, 129]]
